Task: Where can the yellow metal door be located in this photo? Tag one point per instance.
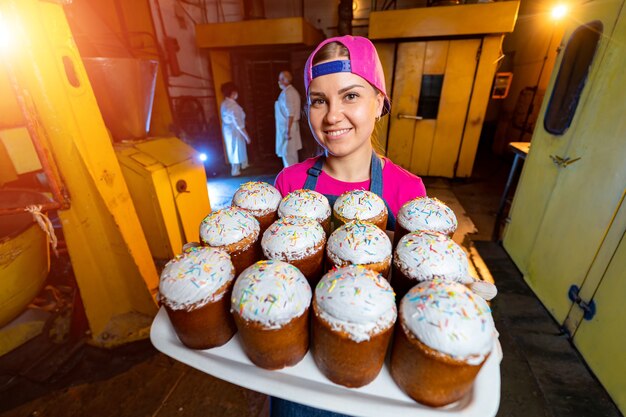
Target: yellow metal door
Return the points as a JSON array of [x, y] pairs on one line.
[[562, 212], [568, 221], [601, 339], [539, 175], [430, 146]]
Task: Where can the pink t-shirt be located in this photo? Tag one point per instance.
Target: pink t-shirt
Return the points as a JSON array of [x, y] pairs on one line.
[[399, 185]]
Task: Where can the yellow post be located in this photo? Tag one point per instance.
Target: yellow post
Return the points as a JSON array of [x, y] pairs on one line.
[[220, 68], [110, 257]]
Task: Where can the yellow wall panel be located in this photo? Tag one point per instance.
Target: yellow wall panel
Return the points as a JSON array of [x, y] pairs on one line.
[[387, 55], [436, 57], [20, 147], [220, 67], [221, 70], [424, 136], [289, 30], [468, 19], [406, 91], [455, 95], [9, 109], [478, 105]]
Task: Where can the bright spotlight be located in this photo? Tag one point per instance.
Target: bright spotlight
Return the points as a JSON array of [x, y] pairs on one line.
[[559, 11], [7, 37], [203, 157]]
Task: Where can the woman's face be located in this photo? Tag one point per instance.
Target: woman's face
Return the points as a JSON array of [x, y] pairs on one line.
[[342, 112]]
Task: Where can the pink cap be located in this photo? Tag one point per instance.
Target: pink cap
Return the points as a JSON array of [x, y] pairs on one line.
[[363, 62]]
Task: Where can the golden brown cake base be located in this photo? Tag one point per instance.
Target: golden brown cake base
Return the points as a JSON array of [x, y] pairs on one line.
[[243, 253], [326, 225], [400, 283], [380, 221], [244, 258], [266, 221], [274, 348], [344, 361], [382, 268], [401, 231], [398, 233], [312, 267], [209, 326], [429, 377]]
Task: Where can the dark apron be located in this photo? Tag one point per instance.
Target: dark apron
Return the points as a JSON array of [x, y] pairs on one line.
[[376, 184]]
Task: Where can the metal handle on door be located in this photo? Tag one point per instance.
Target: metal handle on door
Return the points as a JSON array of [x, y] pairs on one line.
[[563, 162], [409, 116]]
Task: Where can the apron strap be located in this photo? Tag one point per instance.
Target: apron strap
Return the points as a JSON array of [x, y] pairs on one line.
[[376, 176], [376, 186], [313, 174]]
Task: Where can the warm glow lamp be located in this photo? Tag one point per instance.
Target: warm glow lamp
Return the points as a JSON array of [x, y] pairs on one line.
[[559, 11], [6, 35]]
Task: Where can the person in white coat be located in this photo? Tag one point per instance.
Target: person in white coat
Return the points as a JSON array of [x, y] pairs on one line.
[[234, 129], [287, 115]]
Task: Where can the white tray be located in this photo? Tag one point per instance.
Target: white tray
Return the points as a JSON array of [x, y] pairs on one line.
[[305, 384]]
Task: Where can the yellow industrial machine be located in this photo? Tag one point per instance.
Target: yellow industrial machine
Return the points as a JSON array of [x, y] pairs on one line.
[[568, 219], [165, 178], [47, 90], [24, 266], [168, 188]]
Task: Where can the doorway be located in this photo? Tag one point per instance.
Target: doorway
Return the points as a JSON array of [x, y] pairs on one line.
[[432, 89], [256, 72]]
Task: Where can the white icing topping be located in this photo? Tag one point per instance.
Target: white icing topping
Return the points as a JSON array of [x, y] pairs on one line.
[[357, 301], [305, 203], [359, 205], [290, 238], [229, 225], [448, 317], [424, 255], [271, 293], [192, 278], [425, 213], [259, 197], [358, 242]]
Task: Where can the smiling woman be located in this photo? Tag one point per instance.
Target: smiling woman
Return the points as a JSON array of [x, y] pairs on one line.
[[340, 116], [346, 96]]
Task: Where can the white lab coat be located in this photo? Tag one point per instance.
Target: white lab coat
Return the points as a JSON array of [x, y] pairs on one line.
[[233, 119], [288, 104]]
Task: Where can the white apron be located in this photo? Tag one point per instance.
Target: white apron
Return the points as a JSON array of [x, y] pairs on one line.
[[233, 118], [288, 103]]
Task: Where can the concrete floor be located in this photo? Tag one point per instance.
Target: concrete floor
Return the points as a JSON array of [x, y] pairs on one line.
[[542, 374]]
